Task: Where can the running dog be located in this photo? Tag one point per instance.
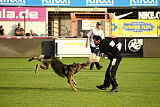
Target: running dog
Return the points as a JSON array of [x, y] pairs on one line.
[[61, 69]]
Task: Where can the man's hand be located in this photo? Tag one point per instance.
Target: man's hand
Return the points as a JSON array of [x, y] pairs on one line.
[[103, 55], [112, 36], [86, 44]]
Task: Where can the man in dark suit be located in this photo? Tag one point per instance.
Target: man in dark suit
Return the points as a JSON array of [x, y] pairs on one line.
[[108, 48]]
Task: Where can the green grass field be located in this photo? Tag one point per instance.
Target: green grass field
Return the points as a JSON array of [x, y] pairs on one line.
[[138, 78]]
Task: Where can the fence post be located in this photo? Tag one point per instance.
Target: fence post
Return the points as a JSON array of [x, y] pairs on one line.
[[73, 24], [24, 24]]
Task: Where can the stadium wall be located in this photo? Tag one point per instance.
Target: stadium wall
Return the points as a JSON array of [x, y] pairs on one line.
[[26, 47], [73, 47], [151, 47]]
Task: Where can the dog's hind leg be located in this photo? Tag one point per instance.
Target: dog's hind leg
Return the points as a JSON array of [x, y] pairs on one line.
[[70, 82], [37, 66], [40, 66]]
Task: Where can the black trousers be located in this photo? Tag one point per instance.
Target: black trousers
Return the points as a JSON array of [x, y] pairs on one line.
[[110, 76], [96, 51]]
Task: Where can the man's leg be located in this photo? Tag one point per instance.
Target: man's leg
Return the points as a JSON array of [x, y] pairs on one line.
[[114, 67], [92, 66], [107, 76], [98, 65], [110, 76], [107, 79]]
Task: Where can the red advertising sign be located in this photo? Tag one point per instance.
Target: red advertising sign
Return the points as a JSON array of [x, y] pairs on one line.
[[17, 13]]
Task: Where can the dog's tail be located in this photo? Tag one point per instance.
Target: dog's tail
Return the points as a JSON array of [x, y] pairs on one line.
[[41, 58], [33, 58]]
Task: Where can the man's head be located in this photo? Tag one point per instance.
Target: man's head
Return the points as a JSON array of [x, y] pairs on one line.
[[98, 25], [81, 34], [31, 31], [19, 25], [97, 39], [1, 26]]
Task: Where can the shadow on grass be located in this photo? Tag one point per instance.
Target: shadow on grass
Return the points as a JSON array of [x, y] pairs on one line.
[[16, 69], [140, 72], [48, 89]]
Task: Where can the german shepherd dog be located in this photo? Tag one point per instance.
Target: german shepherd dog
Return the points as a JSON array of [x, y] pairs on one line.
[[61, 69]]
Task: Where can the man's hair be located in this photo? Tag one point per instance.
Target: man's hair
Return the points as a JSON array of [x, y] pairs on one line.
[[99, 23], [96, 37]]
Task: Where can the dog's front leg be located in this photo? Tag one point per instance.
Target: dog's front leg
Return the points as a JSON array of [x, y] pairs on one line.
[[70, 82], [74, 81]]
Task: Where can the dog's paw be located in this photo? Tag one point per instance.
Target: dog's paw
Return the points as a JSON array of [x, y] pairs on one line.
[[30, 60], [76, 90], [75, 83]]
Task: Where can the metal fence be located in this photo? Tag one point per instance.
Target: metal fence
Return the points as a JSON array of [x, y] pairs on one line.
[[74, 24]]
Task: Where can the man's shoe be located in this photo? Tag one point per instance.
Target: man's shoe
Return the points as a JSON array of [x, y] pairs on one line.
[[101, 87], [114, 90], [99, 67]]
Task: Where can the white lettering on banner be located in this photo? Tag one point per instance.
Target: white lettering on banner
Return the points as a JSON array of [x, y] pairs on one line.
[[55, 2], [135, 45], [143, 2], [100, 2], [12, 2], [112, 43], [12, 14], [149, 15]]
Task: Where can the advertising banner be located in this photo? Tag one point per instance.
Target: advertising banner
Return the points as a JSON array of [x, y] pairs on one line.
[[135, 13], [135, 28], [159, 28], [72, 48], [17, 13], [76, 47], [131, 46], [81, 3]]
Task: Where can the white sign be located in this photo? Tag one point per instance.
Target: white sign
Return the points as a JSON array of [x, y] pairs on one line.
[[143, 2], [56, 2], [86, 25], [12, 2], [99, 2], [72, 48], [149, 15]]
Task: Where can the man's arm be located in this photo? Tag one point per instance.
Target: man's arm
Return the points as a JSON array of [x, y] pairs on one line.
[[19, 32], [103, 35], [22, 30], [88, 36], [87, 42]]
